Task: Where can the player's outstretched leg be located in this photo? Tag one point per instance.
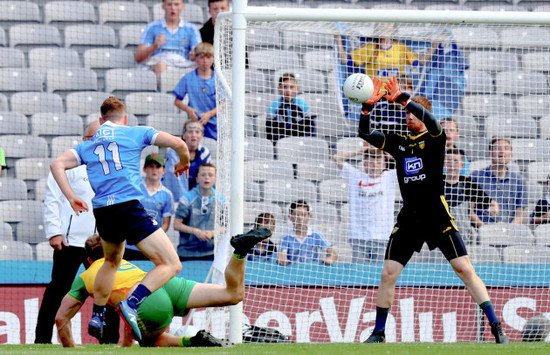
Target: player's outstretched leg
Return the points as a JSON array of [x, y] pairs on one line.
[[377, 336], [204, 339], [243, 243], [500, 337], [129, 315]]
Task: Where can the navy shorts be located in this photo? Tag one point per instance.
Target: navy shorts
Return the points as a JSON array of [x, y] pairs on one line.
[[402, 245], [127, 221]]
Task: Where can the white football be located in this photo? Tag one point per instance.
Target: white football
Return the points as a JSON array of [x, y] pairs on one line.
[[358, 88]]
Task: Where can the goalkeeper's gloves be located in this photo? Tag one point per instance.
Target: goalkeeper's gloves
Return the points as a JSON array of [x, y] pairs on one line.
[[395, 94], [368, 106]]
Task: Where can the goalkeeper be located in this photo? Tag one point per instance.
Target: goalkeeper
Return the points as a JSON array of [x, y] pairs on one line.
[[425, 216], [175, 298]]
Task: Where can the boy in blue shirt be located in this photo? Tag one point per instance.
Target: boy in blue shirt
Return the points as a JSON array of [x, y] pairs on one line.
[[112, 159]]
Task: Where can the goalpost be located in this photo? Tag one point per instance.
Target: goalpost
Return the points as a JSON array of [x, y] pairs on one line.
[[491, 77]]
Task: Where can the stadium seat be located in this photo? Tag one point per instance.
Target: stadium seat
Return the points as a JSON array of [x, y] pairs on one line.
[[542, 235], [44, 251], [191, 13], [252, 209], [13, 123], [31, 227], [317, 171], [132, 120], [15, 211], [258, 149], [62, 143], [533, 105], [538, 171], [322, 60], [544, 124], [15, 12], [29, 103], [525, 255], [484, 254], [468, 125], [120, 13], [3, 103], [24, 146], [47, 124], [2, 37], [524, 37], [171, 77], [66, 13], [6, 232], [121, 82], [12, 58], [504, 234], [309, 81], [29, 36], [263, 38], [14, 79], [257, 104], [212, 146], [349, 144], [530, 149], [273, 59], [256, 82], [501, 7], [85, 36], [264, 170], [32, 169], [526, 82], [323, 213], [15, 250], [102, 59], [510, 126], [12, 189], [129, 36], [330, 120], [476, 165], [298, 149], [43, 59], [537, 61], [65, 81], [476, 148], [476, 37], [167, 122], [146, 103], [252, 191], [485, 105], [478, 82], [286, 191], [334, 191], [85, 102], [493, 61]]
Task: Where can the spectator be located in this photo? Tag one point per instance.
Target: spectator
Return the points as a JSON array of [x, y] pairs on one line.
[[168, 42], [200, 86], [195, 217], [2, 160], [193, 132], [302, 243], [67, 233], [214, 8], [289, 115], [264, 250], [157, 200], [372, 192], [464, 196], [541, 214], [503, 185], [450, 125]]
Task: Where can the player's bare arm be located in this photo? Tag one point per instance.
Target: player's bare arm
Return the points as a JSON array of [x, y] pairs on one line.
[[167, 140]]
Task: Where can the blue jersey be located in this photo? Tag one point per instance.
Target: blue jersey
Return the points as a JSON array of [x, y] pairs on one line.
[[179, 185], [180, 42], [158, 204], [306, 250], [112, 159], [202, 97]]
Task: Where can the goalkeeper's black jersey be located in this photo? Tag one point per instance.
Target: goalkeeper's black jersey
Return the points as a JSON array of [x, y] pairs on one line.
[[419, 163]]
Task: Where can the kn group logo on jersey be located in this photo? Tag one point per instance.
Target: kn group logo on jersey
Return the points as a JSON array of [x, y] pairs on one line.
[[413, 166]]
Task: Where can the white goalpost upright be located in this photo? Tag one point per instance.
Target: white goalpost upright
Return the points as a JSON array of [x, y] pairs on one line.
[[491, 79]]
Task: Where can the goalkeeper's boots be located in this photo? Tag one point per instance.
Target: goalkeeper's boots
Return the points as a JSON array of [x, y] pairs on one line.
[[500, 337], [243, 243], [205, 339], [130, 317], [95, 327], [377, 336]]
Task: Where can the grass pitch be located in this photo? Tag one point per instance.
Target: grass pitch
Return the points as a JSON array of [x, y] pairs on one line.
[[299, 349]]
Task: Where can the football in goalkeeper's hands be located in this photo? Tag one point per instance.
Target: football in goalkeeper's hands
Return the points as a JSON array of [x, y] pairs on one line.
[[358, 88]]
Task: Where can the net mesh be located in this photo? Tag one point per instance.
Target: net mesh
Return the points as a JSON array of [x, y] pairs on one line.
[[483, 81]]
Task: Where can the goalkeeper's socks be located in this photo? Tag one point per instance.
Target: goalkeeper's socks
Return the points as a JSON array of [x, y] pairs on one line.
[[98, 311], [184, 341], [140, 293], [381, 316], [489, 311]]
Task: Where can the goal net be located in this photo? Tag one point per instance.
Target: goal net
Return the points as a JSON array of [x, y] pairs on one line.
[[484, 81]]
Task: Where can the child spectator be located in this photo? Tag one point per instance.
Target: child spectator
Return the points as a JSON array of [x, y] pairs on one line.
[[193, 132], [195, 217], [541, 214], [200, 86], [302, 243], [264, 250], [289, 115], [372, 192], [450, 125], [168, 42], [157, 200]]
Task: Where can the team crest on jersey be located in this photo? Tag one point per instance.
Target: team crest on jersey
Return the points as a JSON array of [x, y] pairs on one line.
[[421, 145]]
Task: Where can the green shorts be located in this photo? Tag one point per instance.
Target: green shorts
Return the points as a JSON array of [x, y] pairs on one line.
[[157, 310]]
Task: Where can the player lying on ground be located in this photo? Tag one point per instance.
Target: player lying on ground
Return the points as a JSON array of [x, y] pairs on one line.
[[175, 298], [425, 216]]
